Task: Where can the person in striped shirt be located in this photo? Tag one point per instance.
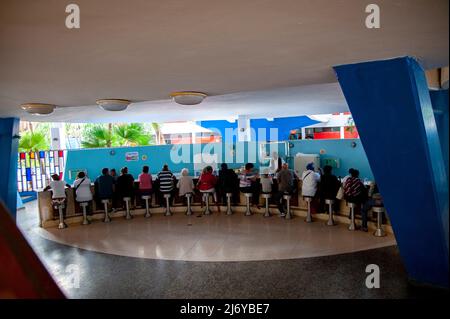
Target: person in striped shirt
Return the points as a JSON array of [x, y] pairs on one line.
[[166, 181], [355, 192]]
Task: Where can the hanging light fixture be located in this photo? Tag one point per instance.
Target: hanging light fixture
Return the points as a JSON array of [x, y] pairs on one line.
[[188, 97], [38, 108], [113, 105]]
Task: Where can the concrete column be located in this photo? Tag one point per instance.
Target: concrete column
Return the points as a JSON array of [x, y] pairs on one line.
[[58, 136], [244, 132], [9, 143], [391, 106]]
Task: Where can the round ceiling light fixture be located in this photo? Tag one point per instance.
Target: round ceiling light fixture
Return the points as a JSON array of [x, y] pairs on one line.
[[113, 105], [38, 108], [188, 97]]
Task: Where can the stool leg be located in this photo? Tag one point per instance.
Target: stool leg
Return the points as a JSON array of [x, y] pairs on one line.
[[380, 231], [207, 210], [168, 212], [107, 218], [85, 220], [330, 221], [229, 211], [128, 215], [308, 214], [189, 209], [147, 209], [352, 219], [288, 209], [61, 224], [248, 211], [267, 213]]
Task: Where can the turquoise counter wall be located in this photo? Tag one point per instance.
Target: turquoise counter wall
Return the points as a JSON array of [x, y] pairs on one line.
[[93, 160]]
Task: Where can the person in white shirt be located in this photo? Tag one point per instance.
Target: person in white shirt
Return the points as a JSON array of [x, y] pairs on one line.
[[276, 163], [310, 180], [57, 186], [185, 183], [266, 182], [82, 186]]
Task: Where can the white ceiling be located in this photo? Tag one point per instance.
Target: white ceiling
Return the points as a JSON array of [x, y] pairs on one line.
[[264, 58]]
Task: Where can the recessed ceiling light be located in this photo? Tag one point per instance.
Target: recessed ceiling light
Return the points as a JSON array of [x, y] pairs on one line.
[[38, 108], [188, 97], [113, 104]]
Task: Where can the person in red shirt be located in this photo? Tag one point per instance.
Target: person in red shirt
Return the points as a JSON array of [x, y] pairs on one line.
[[207, 183]]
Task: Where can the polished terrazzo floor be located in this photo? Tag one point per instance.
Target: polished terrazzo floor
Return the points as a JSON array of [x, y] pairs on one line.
[[105, 275], [216, 237]]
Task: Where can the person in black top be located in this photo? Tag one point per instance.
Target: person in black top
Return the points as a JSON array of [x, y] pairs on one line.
[[228, 183], [125, 184], [328, 188]]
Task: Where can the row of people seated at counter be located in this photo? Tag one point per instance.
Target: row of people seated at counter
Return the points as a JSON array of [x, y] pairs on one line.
[[318, 185]]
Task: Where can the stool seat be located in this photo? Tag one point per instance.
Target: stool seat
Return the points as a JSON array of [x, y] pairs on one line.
[[188, 194], [84, 204], [378, 209], [126, 199], [144, 197], [229, 194], [329, 201], [166, 195], [105, 201], [266, 196], [248, 194], [287, 197], [307, 198]]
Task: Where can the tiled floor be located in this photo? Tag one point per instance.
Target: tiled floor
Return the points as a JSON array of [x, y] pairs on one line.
[[111, 276], [214, 237]]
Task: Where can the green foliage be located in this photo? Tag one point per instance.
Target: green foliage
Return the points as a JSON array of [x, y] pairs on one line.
[[97, 136], [33, 141], [108, 135]]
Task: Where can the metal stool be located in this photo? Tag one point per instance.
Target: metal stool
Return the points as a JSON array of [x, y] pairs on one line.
[[229, 211], [380, 231], [330, 203], [248, 212], [168, 212], [105, 204], [206, 200], [188, 199], [308, 201], [60, 206], [85, 219], [147, 209], [287, 197], [127, 201], [352, 225], [266, 197]]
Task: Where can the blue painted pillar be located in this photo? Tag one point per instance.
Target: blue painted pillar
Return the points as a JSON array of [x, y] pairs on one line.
[[439, 99], [9, 131], [390, 103]]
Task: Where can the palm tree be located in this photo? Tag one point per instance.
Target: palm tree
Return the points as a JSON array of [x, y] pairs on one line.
[[132, 134], [97, 136], [33, 142], [158, 134]]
